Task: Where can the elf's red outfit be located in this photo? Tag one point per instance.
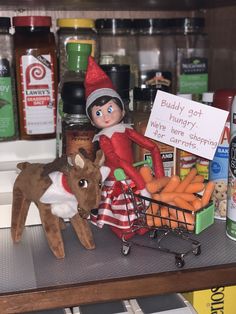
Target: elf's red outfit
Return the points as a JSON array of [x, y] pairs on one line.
[[116, 143]]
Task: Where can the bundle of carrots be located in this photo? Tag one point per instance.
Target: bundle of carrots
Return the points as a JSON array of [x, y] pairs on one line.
[[176, 192]]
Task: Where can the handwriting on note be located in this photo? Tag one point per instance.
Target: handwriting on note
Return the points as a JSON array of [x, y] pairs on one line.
[[186, 124]]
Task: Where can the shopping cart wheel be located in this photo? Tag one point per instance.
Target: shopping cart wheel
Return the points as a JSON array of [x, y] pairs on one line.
[[153, 233], [125, 249], [179, 261], [197, 250]]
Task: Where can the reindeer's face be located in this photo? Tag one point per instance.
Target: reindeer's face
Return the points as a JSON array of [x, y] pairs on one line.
[[85, 180]]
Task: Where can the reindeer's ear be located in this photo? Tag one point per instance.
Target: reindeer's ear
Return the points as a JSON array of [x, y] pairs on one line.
[[79, 161], [100, 158]]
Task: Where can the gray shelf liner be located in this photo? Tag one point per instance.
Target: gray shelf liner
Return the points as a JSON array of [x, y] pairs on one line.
[[30, 263]]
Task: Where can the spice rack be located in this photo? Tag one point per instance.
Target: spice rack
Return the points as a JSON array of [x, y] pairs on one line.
[[51, 283]]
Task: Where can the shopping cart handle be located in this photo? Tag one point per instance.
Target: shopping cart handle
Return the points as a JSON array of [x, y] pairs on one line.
[[119, 174]]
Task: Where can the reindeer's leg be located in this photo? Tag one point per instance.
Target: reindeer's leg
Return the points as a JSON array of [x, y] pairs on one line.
[[51, 226], [20, 208], [83, 231]]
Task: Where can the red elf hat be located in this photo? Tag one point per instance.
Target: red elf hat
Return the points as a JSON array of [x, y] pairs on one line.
[[98, 84]]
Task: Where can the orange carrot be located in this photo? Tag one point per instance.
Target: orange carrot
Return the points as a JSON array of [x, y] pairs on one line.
[[172, 184], [195, 187], [188, 179], [198, 178], [157, 184], [181, 203], [210, 186], [197, 203], [162, 221], [146, 173], [151, 211], [168, 197]]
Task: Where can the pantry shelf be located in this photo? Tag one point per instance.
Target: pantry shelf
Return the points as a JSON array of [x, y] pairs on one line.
[[36, 280]]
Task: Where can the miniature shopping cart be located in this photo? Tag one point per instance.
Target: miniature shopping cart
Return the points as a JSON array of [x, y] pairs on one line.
[[167, 224]]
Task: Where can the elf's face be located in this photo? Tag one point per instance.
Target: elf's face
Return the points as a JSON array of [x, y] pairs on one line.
[[107, 115]]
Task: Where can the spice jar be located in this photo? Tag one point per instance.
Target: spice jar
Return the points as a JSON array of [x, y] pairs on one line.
[[77, 61], [156, 52], [8, 110], [192, 56], [36, 76], [81, 31], [117, 45], [77, 130]]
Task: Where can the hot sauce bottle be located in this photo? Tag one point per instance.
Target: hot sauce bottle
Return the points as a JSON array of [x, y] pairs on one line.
[[36, 76]]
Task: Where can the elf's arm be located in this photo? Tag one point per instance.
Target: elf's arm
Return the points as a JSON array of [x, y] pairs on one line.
[[130, 171], [146, 143]]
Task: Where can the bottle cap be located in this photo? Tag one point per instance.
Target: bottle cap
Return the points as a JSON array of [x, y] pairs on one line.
[[5, 22], [189, 24], [152, 25], [32, 21], [76, 23], [187, 96], [207, 97], [73, 97], [120, 77], [223, 99], [77, 56], [114, 25]]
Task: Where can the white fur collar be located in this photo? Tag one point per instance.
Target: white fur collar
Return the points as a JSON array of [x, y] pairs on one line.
[[118, 128]]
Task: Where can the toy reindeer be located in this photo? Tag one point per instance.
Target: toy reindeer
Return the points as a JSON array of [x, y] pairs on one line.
[[71, 193]]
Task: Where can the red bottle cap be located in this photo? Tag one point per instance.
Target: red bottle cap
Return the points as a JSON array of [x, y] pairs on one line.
[[223, 99], [24, 21]]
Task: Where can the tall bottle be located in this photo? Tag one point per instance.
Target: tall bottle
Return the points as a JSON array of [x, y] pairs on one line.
[[8, 110], [77, 130], [36, 76], [202, 164], [192, 56], [77, 62], [231, 195], [218, 171]]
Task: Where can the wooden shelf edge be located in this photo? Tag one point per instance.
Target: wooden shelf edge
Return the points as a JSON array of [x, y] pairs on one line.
[[121, 288]]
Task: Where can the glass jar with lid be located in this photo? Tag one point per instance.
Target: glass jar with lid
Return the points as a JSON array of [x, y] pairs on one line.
[[116, 44], [75, 30], [156, 51]]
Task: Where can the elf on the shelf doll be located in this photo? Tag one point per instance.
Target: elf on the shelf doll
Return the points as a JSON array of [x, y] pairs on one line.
[[106, 111]]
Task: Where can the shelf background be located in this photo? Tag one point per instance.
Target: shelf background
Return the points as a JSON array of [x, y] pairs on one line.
[[138, 5]]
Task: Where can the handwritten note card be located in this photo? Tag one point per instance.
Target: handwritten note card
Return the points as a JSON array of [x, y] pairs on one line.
[[186, 124]]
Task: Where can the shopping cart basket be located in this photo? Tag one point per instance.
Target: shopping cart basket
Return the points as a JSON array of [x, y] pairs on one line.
[[163, 221]]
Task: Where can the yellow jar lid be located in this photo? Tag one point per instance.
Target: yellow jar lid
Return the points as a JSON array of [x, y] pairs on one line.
[[83, 23]]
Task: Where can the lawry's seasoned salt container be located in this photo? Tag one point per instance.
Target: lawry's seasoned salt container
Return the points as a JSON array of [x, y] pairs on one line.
[[231, 196], [218, 170]]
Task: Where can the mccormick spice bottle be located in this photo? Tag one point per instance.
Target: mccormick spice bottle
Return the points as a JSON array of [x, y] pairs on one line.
[[77, 130], [36, 76]]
